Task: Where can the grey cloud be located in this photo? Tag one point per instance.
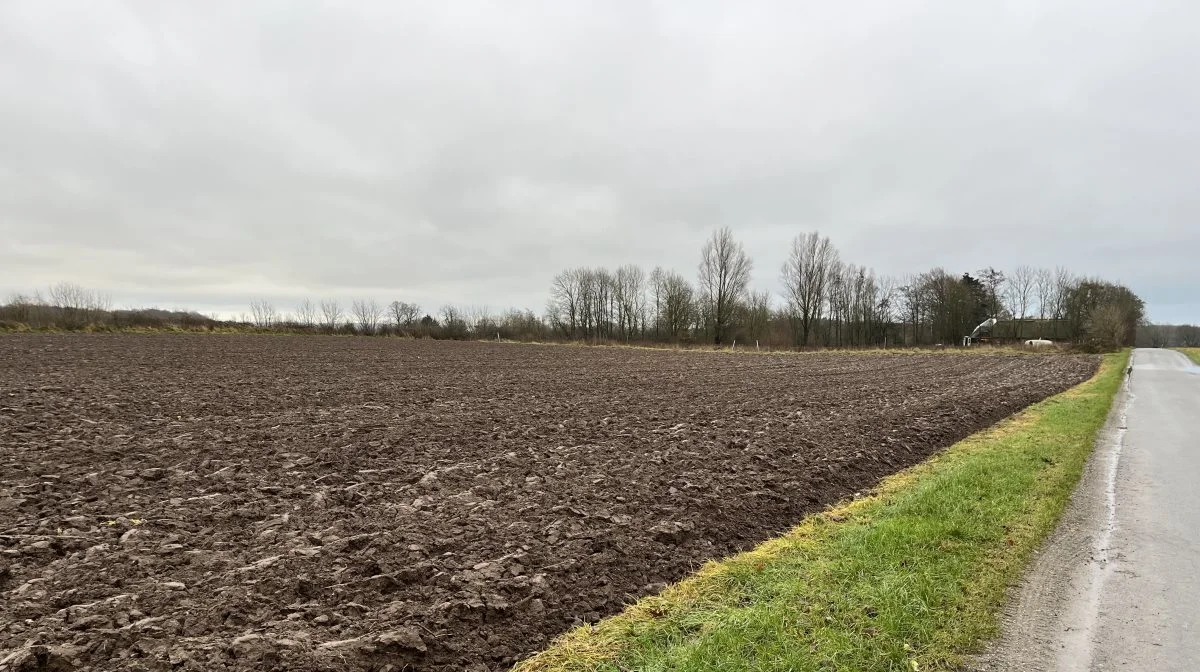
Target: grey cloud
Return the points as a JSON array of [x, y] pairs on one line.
[[464, 152]]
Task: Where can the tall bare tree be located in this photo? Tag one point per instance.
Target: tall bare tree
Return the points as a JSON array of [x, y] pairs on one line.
[[68, 295], [73, 302], [603, 302], [993, 281], [950, 306], [1064, 282], [367, 313], [584, 303], [629, 284], [724, 277], [306, 313], [887, 307], [677, 302], [912, 297], [805, 279], [655, 300], [1019, 292], [565, 308], [404, 314], [331, 310], [864, 294], [838, 298], [1043, 290], [263, 312]]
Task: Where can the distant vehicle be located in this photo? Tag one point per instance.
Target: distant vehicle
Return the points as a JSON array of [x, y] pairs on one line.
[[984, 327], [1031, 332]]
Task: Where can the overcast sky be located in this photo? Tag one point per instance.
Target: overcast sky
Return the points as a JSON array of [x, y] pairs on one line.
[[199, 154]]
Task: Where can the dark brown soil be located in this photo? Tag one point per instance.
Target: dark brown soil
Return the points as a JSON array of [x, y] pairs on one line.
[[231, 502]]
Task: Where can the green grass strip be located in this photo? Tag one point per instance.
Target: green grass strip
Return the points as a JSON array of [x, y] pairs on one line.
[[909, 578], [1193, 353]]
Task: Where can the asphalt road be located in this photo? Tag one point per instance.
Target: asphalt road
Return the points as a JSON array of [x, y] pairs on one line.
[[1117, 587]]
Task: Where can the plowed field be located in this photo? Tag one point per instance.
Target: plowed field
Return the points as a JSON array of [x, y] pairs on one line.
[[254, 503]]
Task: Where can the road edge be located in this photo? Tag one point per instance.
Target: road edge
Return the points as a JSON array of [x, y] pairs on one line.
[[1049, 620]]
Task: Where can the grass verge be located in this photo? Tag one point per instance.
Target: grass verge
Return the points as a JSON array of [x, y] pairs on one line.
[[909, 578], [1193, 353]]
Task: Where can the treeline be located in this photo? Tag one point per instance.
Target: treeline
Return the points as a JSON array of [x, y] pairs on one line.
[[1168, 336], [369, 317], [70, 307], [826, 301], [830, 302]]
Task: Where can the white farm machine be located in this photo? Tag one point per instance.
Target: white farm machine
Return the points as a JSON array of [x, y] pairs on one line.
[[976, 336], [983, 334]]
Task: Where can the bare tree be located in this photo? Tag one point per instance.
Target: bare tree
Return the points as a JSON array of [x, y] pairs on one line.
[[367, 313], [565, 307], [805, 278], [1020, 291], [453, 323], [1064, 282], [99, 307], [912, 297], [757, 319], [73, 301], [677, 309], [521, 325], [887, 307], [263, 312], [583, 303], [949, 306], [306, 313], [724, 276], [1108, 327], [480, 321], [839, 301], [68, 295], [629, 286], [863, 297], [22, 308], [993, 281], [1043, 290], [657, 284], [331, 310], [404, 314], [602, 304]]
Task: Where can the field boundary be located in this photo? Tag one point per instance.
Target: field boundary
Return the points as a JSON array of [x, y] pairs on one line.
[[809, 350], [739, 349], [911, 576], [1192, 354]]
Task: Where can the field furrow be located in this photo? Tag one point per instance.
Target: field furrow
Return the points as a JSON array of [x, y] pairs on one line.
[[210, 502]]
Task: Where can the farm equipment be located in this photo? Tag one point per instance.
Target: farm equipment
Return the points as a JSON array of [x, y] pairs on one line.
[[975, 337]]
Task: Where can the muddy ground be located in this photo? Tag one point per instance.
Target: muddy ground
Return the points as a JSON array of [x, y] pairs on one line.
[[322, 503]]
